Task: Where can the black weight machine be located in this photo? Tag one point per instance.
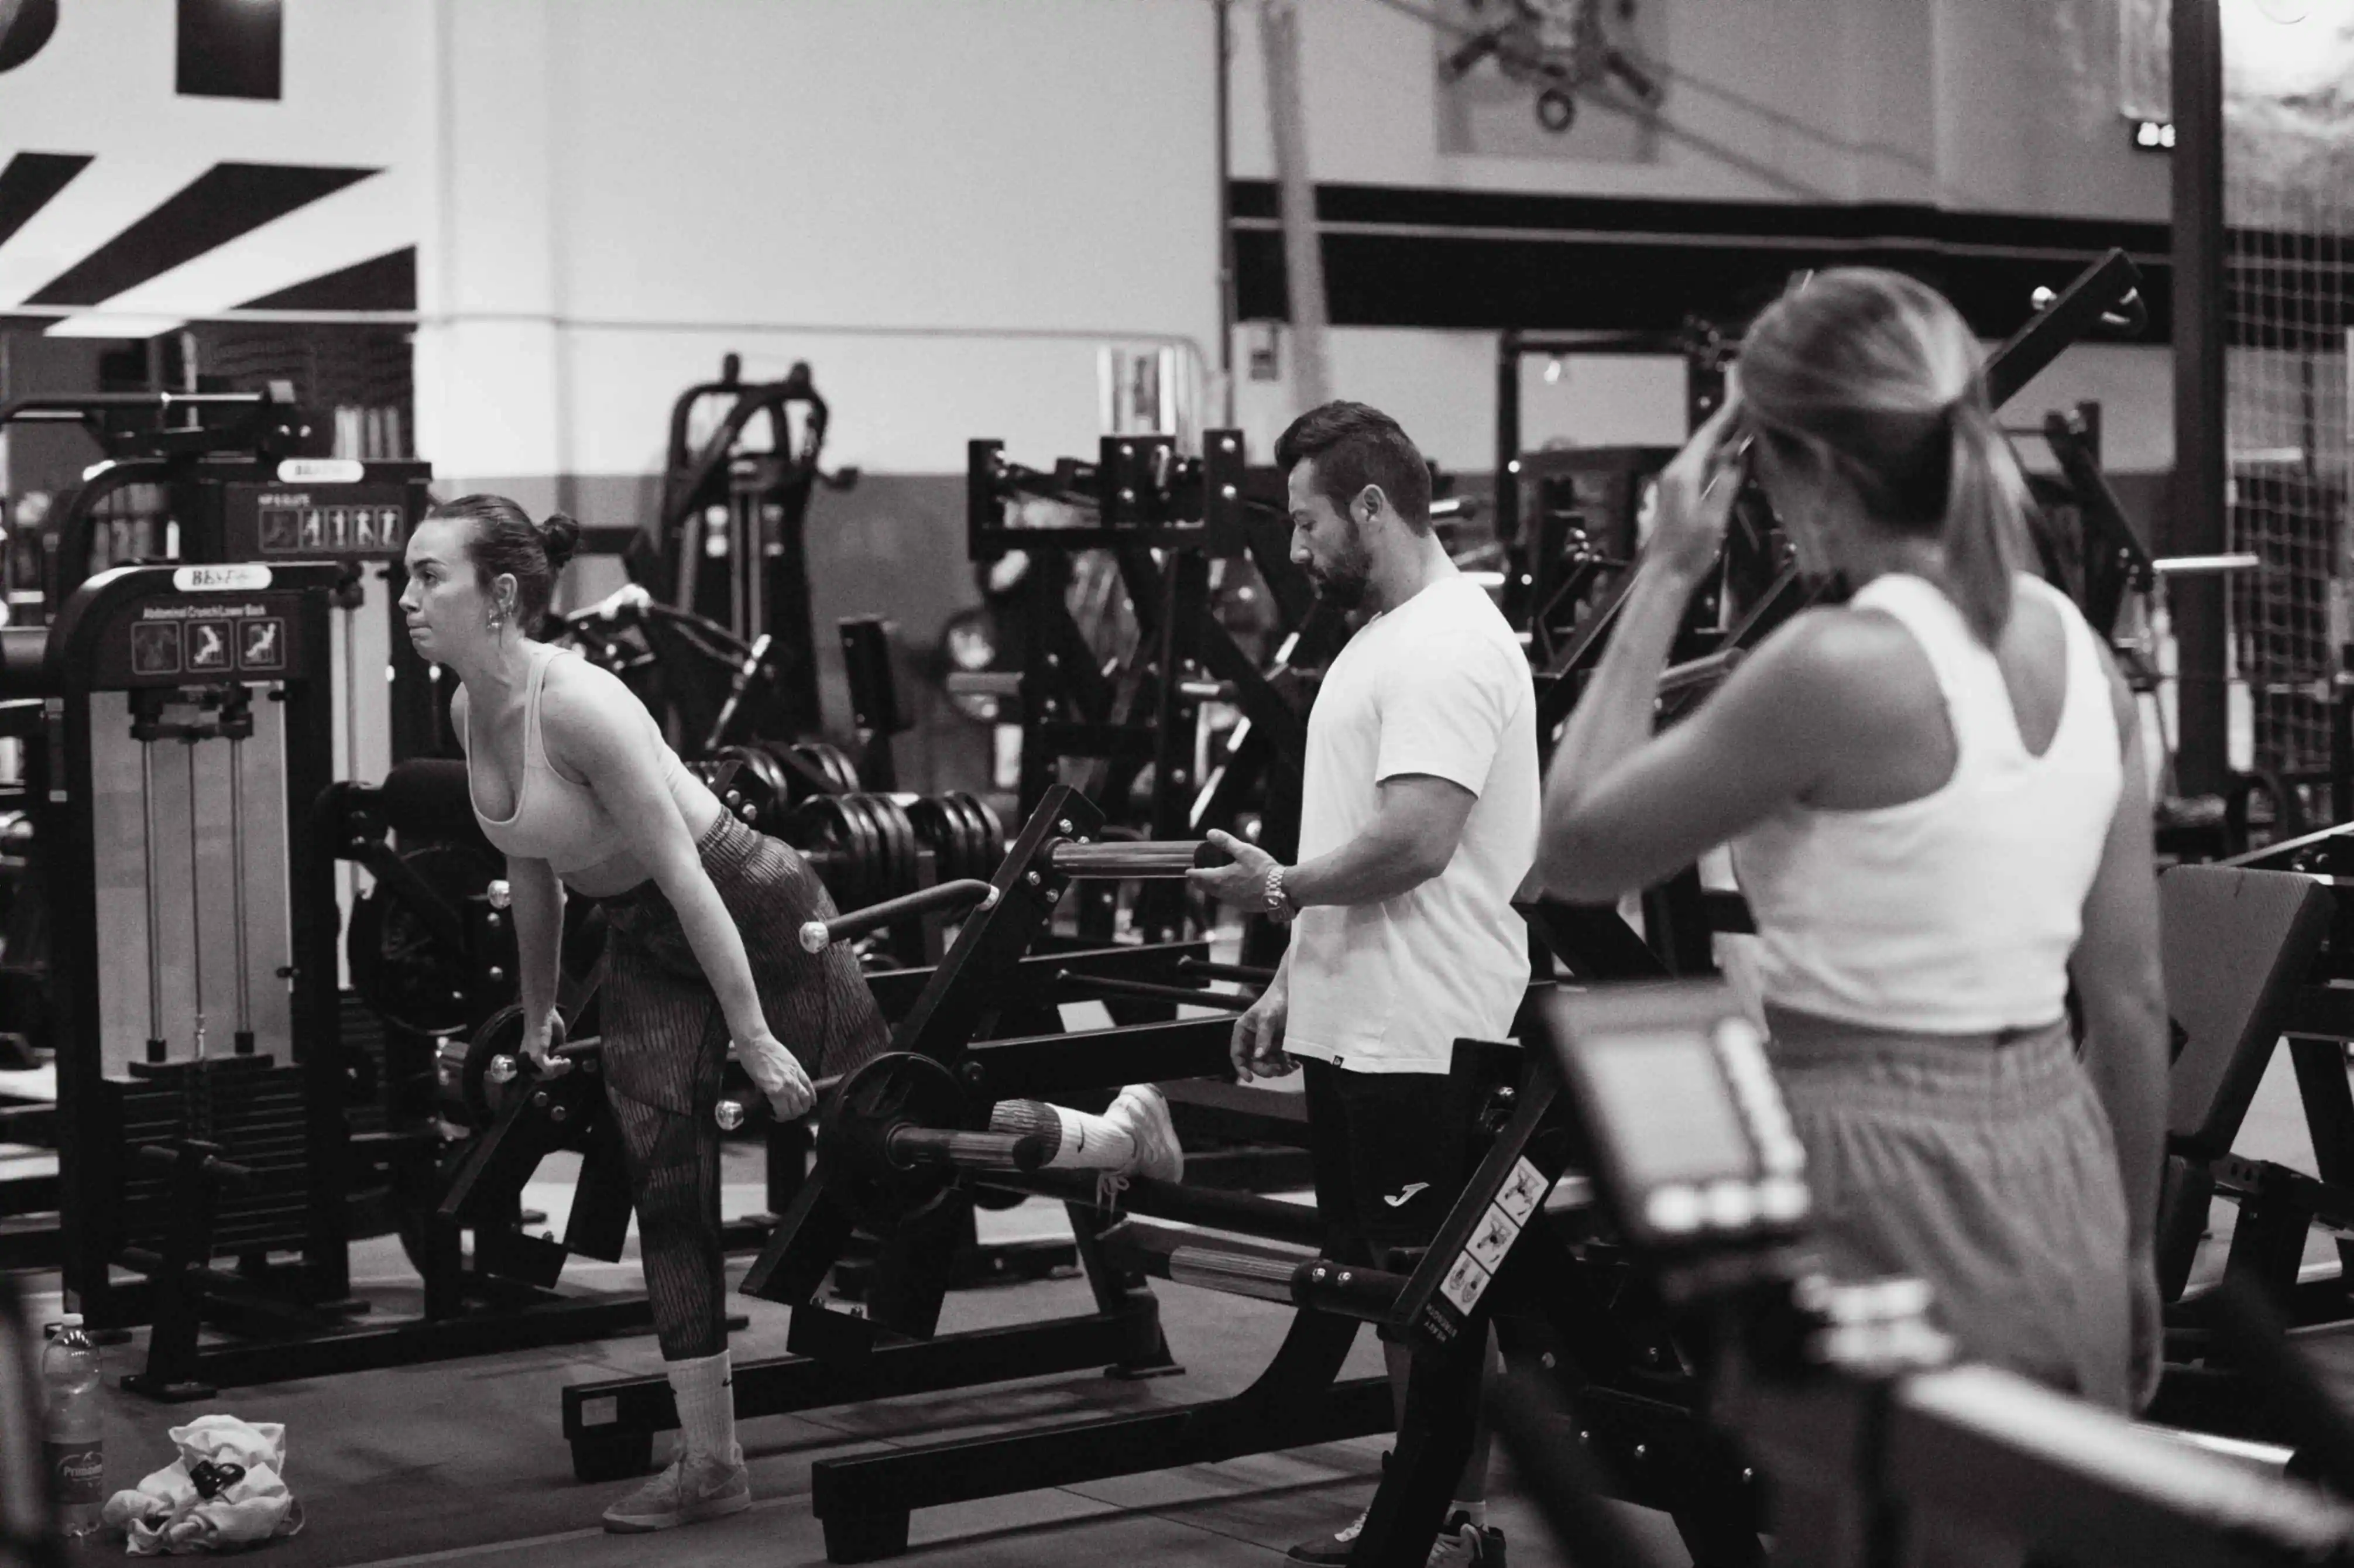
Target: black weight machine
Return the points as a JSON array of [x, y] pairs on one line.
[[217, 477], [1515, 1251], [1875, 1443], [896, 1135], [212, 1102], [727, 547], [1168, 521]]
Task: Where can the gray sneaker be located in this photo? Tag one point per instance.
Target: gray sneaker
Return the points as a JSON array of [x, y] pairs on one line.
[[696, 1487]]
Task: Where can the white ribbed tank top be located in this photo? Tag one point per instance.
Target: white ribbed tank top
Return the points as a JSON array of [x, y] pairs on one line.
[[1956, 912]]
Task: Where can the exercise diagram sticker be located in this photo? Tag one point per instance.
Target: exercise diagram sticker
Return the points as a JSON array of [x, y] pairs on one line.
[[1522, 1190], [1464, 1284], [155, 648], [262, 644], [1493, 1238], [209, 645]]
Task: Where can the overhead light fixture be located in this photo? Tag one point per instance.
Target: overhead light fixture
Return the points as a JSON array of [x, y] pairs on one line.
[[2153, 135]]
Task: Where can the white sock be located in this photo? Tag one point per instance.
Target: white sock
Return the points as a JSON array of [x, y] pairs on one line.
[[1091, 1143], [705, 1393]]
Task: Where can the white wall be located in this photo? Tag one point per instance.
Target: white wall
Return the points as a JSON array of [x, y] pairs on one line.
[[944, 205], [2003, 106], [2006, 105], [355, 95]]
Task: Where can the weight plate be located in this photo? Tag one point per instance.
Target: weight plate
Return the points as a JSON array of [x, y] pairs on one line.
[[822, 822], [897, 1087], [899, 838], [764, 784], [992, 840], [882, 867], [838, 763], [981, 843], [409, 976], [934, 822]]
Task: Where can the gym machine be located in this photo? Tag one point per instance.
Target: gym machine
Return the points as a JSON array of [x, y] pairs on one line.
[[1513, 1252], [204, 1090], [170, 880], [215, 477], [895, 1136], [1168, 521], [212, 476], [727, 546], [1875, 1443], [2255, 962]]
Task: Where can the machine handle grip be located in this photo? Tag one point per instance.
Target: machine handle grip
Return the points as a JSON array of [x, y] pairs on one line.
[[1124, 860], [962, 894], [505, 1067], [732, 1114], [909, 1147]]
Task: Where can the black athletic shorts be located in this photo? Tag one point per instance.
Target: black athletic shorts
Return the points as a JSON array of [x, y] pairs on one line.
[[1389, 1155]]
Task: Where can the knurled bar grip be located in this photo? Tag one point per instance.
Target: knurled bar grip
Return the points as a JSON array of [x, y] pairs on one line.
[[1233, 1273], [1130, 859], [909, 1147], [819, 935]]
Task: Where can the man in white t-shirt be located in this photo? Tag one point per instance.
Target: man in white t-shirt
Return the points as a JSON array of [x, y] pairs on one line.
[[1418, 822]]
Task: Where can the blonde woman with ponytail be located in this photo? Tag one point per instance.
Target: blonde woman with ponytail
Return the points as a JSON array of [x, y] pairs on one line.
[[1939, 813]]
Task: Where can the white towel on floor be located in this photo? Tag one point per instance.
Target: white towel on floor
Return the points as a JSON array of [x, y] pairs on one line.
[[165, 1513]]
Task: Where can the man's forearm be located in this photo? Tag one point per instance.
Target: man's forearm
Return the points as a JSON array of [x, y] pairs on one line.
[[1377, 864]]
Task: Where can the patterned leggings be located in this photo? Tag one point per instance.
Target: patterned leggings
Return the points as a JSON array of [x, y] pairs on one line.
[[666, 1049]]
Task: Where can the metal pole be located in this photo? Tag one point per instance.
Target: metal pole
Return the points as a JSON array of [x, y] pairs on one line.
[[2201, 470], [244, 1042], [196, 903], [1225, 213], [155, 1048], [1303, 255]]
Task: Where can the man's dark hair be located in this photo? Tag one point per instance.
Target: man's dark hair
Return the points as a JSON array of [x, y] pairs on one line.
[[1355, 445]]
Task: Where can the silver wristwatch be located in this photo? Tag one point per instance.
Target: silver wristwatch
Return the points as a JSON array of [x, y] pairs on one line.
[[1279, 901]]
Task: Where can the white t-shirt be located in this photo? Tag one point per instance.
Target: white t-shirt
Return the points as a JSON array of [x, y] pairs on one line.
[[1438, 685]]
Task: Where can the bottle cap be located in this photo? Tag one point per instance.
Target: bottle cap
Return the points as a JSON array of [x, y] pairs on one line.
[[68, 1319]]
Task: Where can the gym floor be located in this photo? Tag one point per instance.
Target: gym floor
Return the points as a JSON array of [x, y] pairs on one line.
[[462, 1462]]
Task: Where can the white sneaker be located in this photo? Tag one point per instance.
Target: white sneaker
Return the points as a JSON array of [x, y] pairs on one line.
[[1328, 1550], [696, 1487], [1142, 1113]]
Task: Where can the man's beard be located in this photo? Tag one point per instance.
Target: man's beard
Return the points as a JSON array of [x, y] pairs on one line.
[[1342, 583]]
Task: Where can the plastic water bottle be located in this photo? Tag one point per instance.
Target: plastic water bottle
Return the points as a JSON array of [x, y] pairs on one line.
[[74, 1432]]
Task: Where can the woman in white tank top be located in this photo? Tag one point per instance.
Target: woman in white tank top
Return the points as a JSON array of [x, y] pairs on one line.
[[1939, 813]]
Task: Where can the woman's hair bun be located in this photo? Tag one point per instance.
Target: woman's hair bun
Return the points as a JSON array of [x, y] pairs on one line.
[[560, 537]]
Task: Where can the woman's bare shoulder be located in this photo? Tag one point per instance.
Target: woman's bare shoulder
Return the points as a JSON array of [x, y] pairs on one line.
[[585, 711]]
